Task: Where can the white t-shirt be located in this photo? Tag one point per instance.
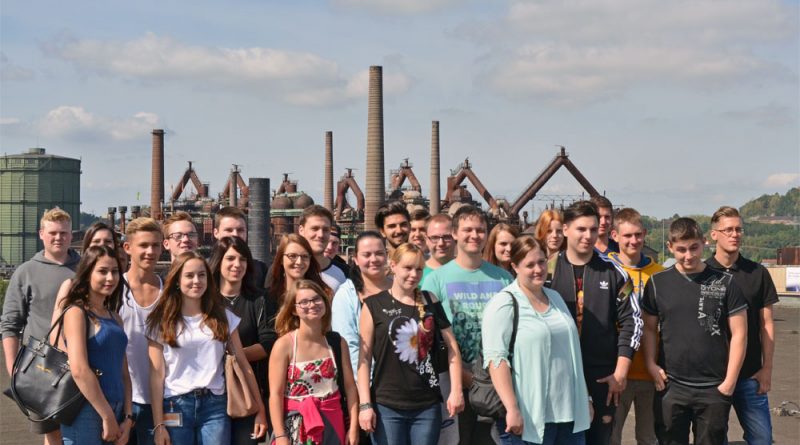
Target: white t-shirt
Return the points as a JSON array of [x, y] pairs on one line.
[[198, 360], [134, 318], [333, 276]]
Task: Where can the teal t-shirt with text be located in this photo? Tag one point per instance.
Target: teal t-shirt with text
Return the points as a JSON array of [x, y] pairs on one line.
[[464, 294]]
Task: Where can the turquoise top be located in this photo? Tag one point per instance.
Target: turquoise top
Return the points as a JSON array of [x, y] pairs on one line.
[[464, 293], [551, 388]]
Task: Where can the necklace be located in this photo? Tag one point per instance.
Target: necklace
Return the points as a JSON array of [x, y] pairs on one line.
[[231, 299]]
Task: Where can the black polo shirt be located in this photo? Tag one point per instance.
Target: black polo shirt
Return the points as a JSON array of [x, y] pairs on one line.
[[759, 291]]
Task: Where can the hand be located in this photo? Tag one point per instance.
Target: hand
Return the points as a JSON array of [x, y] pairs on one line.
[[367, 419], [110, 430], [659, 377], [125, 431], [260, 424], [161, 436], [616, 384], [455, 403], [352, 436], [514, 422], [726, 389], [764, 379]]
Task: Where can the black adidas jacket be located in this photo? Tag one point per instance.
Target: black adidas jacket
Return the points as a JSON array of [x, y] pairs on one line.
[[612, 319]]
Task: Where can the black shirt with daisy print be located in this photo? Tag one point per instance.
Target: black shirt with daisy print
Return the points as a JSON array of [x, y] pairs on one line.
[[403, 377]]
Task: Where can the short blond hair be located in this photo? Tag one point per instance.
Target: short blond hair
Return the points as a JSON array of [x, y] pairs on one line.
[[54, 215], [175, 217], [142, 224]]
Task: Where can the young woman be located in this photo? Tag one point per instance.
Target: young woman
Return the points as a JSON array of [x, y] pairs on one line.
[[307, 370], [398, 327], [294, 260], [187, 336], [232, 267], [93, 296], [100, 234], [542, 388], [549, 233], [498, 246]]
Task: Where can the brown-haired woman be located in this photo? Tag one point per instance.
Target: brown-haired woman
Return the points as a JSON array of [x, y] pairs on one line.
[[187, 335], [306, 372], [498, 246], [92, 298], [294, 260]]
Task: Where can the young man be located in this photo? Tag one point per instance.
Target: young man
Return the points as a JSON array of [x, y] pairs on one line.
[[143, 242], [605, 216], [440, 241], [394, 223], [609, 322], [464, 286], [231, 221], [419, 220], [31, 296], [180, 234], [332, 251], [750, 396], [315, 227], [629, 233], [701, 314]]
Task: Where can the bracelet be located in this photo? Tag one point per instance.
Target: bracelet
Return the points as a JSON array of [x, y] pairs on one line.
[[157, 426], [281, 435], [365, 406]]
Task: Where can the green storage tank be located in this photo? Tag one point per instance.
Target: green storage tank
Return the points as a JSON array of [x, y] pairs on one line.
[[31, 183]]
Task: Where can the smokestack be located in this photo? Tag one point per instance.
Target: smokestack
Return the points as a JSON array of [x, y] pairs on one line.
[[157, 181], [435, 194], [111, 216], [232, 192], [328, 170], [376, 185], [136, 211], [258, 220], [122, 211]]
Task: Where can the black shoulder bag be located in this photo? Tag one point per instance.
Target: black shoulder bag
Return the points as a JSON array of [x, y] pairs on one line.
[[335, 342], [439, 357], [41, 381], [482, 396]]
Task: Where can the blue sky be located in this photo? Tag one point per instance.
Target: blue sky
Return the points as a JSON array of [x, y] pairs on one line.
[[670, 107]]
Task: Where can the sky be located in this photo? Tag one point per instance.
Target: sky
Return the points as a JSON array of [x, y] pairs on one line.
[[668, 107]]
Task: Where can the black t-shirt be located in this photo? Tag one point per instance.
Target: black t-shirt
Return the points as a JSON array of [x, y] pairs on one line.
[[759, 291], [403, 376], [693, 315]]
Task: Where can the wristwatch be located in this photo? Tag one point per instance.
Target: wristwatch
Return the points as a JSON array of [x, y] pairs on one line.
[[129, 416]]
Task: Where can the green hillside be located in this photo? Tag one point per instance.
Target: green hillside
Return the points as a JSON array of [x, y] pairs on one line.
[[773, 205]]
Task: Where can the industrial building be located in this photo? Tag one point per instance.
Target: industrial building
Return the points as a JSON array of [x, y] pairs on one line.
[[31, 183]]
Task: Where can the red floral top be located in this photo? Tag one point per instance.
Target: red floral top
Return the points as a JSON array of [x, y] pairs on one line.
[[311, 378]]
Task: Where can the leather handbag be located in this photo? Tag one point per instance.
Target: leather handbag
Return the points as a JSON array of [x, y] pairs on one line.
[[41, 381], [439, 354], [241, 402], [482, 396]]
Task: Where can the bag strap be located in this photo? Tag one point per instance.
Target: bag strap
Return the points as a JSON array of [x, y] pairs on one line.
[[335, 342], [514, 327], [60, 324]]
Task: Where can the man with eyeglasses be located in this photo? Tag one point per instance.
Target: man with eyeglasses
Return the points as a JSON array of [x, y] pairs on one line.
[[180, 234], [440, 242], [755, 378]]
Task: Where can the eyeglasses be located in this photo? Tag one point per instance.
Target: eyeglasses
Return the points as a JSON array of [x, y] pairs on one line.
[[445, 238], [308, 303], [297, 256], [177, 236], [729, 231]]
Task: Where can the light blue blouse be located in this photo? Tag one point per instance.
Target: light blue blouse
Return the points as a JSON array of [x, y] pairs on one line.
[[546, 342]]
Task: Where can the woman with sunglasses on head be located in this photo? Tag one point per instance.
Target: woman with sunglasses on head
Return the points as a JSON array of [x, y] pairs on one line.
[[312, 391], [232, 267], [294, 261], [398, 327], [188, 333], [93, 297]]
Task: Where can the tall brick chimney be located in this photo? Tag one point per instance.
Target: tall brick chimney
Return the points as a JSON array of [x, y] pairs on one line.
[[328, 199], [435, 195], [157, 181], [376, 185]]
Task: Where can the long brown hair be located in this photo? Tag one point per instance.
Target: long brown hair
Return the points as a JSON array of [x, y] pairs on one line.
[[276, 282], [79, 289], [488, 251], [218, 252], [543, 226], [287, 319], [166, 317]]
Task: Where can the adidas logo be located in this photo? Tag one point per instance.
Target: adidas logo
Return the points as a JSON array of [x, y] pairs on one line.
[[604, 285]]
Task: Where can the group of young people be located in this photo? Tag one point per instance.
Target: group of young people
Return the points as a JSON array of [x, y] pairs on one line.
[[573, 322]]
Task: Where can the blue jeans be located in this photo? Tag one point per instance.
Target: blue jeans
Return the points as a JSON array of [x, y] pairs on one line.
[[204, 418], [407, 427], [554, 434], [142, 432], [87, 429], [752, 409]]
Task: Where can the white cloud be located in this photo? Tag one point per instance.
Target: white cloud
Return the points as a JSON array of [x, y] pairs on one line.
[[781, 180], [9, 121], [299, 78], [574, 51], [396, 7], [77, 124], [771, 115], [12, 72]]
